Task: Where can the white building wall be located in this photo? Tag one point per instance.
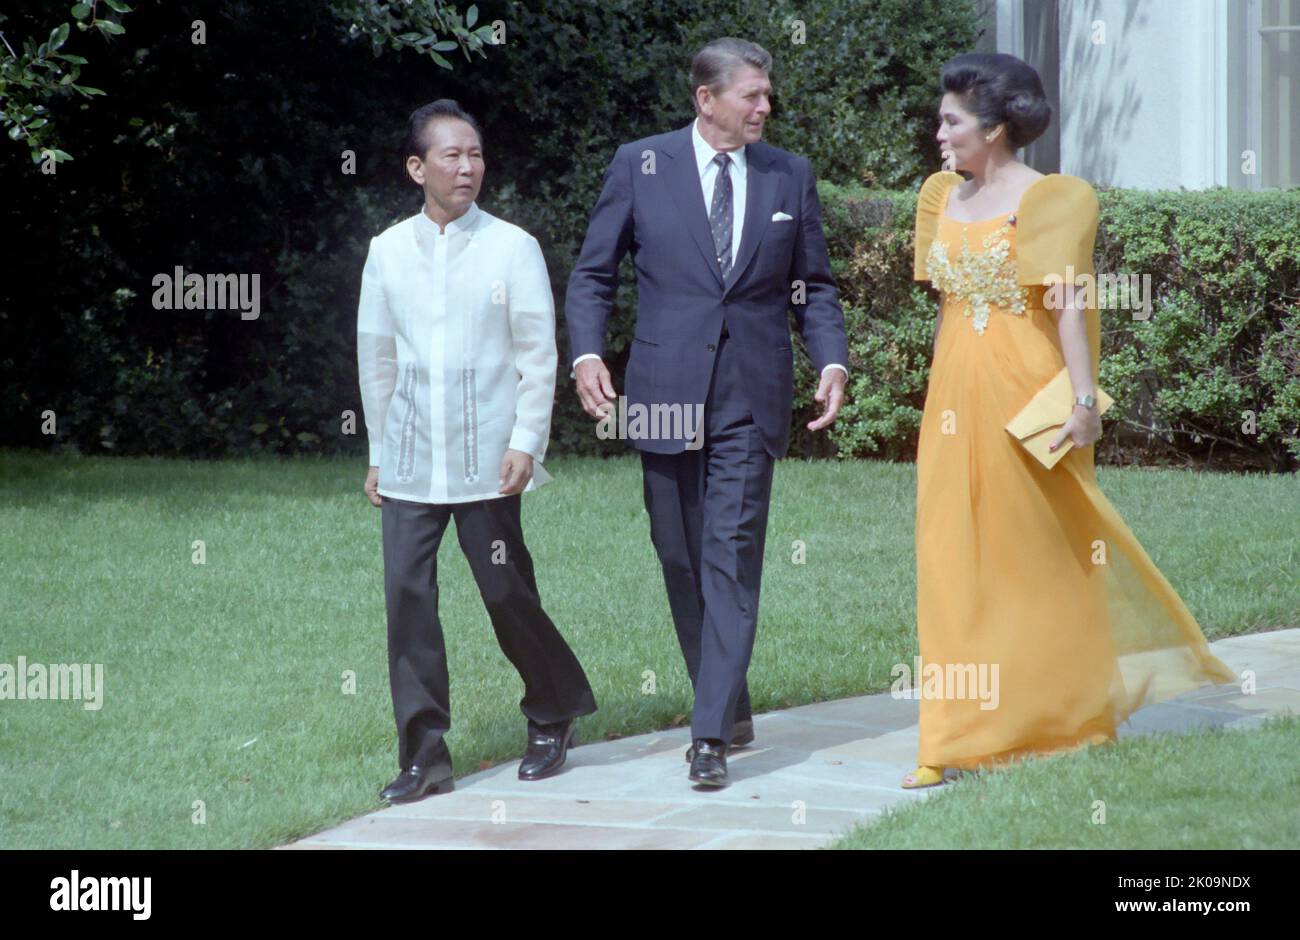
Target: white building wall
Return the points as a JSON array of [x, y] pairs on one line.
[[1144, 92]]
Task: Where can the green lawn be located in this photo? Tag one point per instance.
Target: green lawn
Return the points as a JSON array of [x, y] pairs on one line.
[[1207, 789], [223, 681]]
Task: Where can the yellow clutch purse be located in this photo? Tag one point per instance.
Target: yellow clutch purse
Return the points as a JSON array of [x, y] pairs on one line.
[[1040, 420]]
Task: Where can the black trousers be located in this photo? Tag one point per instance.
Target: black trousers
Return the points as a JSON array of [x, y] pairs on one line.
[[490, 535], [708, 520]]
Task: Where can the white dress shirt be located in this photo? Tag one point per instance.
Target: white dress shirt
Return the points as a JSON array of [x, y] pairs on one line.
[[704, 155], [456, 355], [708, 170]]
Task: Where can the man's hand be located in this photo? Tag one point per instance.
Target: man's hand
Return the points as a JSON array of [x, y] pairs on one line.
[[516, 471], [595, 389], [830, 393], [371, 487]]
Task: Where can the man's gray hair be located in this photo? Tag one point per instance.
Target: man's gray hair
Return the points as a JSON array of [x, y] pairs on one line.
[[715, 64]]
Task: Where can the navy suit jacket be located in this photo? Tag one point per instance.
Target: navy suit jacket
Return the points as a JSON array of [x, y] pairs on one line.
[[652, 205]]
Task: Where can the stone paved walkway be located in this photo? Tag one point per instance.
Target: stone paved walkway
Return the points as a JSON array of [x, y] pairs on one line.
[[812, 772]]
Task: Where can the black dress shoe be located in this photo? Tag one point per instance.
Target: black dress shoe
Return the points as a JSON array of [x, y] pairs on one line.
[[547, 747], [417, 782], [742, 734], [709, 768]]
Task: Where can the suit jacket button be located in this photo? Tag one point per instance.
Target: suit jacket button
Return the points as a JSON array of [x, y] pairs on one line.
[[710, 347]]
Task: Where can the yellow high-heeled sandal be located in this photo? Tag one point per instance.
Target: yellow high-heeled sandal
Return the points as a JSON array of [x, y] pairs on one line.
[[923, 776]]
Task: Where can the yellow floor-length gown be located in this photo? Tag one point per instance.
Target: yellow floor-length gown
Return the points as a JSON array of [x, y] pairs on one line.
[[1020, 567]]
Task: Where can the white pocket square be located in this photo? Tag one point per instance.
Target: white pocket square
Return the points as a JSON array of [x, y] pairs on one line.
[[781, 217]]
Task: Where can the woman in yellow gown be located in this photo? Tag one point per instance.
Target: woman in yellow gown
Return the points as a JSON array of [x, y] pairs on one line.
[[1025, 572]]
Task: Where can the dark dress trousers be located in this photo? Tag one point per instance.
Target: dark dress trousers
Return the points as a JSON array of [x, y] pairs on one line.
[[491, 537]]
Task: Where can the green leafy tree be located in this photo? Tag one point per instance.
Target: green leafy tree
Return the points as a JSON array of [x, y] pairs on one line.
[[31, 79], [40, 73], [274, 149]]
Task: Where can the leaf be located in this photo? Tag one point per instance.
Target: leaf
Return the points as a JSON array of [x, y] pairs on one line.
[[471, 16], [81, 10], [110, 27], [439, 60], [88, 91], [58, 36], [447, 45], [118, 6]]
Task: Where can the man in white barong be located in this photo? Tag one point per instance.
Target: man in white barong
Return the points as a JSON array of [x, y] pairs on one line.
[[456, 358]]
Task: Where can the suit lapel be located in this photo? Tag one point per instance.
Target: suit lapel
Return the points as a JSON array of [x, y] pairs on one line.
[[683, 178], [760, 195]]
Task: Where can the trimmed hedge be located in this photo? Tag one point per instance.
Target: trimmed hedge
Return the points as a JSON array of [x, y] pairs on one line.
[[239, 170], [1211, 377]]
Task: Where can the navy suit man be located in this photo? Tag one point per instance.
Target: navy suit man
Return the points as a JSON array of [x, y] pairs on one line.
[[725, 234]]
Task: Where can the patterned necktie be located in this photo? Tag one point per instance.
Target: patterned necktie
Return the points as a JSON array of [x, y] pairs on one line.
[[720, 214]]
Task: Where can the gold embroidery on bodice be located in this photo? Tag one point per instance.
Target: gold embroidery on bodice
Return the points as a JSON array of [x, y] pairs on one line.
[[983, 278]]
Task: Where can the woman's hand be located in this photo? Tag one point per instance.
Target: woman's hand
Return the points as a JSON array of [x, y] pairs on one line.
[[1083, 427]]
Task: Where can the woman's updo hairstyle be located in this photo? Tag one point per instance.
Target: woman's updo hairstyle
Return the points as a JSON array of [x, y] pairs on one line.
[[1000, 89]]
